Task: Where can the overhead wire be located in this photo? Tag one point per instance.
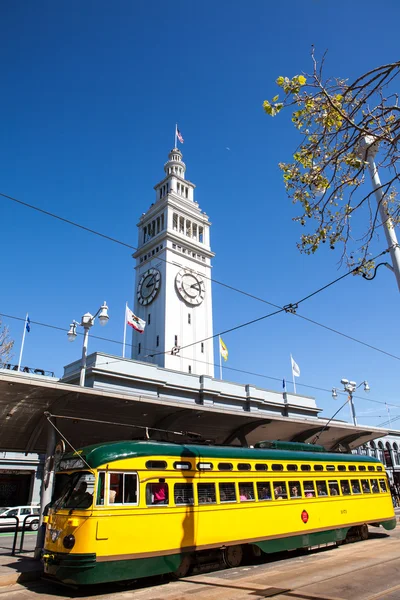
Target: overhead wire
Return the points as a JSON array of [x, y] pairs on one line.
[[230, 287]]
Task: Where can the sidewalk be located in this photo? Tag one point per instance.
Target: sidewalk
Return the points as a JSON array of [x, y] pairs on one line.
[[21, 567]]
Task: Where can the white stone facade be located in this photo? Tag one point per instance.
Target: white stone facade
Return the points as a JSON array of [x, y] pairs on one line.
[[173, 271]]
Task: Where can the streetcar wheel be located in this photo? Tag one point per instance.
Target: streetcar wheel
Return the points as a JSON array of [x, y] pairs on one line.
[[233, 556], [364, 532], [184, 566]]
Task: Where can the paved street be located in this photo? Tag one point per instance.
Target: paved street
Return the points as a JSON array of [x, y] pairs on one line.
[[361, 571]]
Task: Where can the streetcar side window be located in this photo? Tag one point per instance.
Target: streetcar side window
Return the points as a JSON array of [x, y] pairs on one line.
[[244, 467], [223, 466], [295, 489], [291, 467], [355, 486], [341, 467], [362, 468], [382, 483], [345, 487], [206, 493], [374, 485], [322, 489], [100, 488], [227, 492], [371, 468], [333, 487], [183, 493], [123, 488], [157, 493], [318, 467], [130, 488], [352, 468], [365, 486], [115, 488], [246, 491], [309, 490], [264, 490], [280, 492], [305, 467]]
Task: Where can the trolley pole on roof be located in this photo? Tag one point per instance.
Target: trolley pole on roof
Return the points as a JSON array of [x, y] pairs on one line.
[[350, 387]]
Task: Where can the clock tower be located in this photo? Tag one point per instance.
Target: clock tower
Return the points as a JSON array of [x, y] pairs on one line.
[[173, 271]]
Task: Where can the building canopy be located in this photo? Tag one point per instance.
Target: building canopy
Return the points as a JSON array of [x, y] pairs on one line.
[[86, 415]]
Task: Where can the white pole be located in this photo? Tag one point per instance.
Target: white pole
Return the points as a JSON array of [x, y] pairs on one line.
[[220, 358], [369, 148], [84, 354], [176, 133], [291, 364], [23, 342], [123, 346]]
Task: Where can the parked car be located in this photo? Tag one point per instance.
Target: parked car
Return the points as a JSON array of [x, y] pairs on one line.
[[21, 512]]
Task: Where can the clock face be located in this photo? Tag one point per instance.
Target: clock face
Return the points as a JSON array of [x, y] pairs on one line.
[[190, 287], [148, 287]]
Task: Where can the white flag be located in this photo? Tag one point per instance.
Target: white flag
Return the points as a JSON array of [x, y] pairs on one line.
[[135, 321], [295, 368]]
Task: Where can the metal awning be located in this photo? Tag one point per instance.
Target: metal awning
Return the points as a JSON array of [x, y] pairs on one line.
[[24, 399]]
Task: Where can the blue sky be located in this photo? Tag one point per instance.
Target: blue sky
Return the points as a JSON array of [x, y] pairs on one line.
[[90, 95]]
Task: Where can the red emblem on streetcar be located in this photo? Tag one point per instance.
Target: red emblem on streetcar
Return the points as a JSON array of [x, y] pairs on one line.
[[304, 516]]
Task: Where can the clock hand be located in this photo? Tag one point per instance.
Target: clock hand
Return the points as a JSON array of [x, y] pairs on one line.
[[151, 283]]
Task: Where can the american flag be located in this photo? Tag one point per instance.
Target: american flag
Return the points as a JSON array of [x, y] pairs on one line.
[[179, 136]]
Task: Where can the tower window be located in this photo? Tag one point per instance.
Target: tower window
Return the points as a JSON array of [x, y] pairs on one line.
[[189, 318], [158, 224], [201, 234], [158, 341], [175, 221], [202, 347], [186, 192], [148, 319], [181, 225], [194, 229], [176, 340], [162, 221], [190, 369], [188, 228], [144, 234], [139, 348]]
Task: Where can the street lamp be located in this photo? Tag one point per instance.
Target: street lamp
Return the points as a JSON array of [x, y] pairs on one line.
[[350, 387], [87, 322]]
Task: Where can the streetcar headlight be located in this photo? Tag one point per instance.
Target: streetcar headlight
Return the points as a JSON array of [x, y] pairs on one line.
[[69, 541]]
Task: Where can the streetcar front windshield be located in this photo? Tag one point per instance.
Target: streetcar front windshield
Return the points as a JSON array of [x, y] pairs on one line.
[[77, 492]]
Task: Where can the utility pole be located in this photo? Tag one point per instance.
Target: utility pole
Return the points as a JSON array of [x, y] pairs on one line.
[[368, 151]]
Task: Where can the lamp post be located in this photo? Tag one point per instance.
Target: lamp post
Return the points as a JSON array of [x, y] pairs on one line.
[[350, 387], [367, 151], [87, 322]]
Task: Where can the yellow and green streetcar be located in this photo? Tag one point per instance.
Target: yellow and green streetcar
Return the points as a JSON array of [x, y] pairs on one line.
[[130, 509]]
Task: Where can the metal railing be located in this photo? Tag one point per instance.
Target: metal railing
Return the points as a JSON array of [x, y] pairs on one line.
[[30, 370], [17, 521]]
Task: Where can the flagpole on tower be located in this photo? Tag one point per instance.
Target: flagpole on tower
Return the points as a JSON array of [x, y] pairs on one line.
[[176, 134], [23, 342], [123, 345]]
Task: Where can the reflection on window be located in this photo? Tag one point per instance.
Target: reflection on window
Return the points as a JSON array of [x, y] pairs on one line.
[[355, 486], [206, 493], [280, 492], [264, 490], [345, 487], [227, 492], [183, 493], [294, 489], [246, 491], [309, 490]]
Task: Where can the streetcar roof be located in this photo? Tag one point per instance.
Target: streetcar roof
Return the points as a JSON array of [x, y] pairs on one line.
[[107, 452]]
